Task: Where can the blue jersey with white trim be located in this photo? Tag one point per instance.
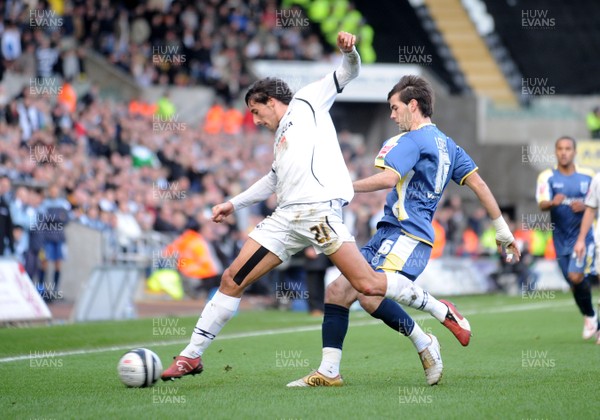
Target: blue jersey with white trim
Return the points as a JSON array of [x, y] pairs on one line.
[[566, 223], [425, 159]]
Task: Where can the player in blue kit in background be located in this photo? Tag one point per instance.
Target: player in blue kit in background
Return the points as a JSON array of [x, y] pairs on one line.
[[417, 165], [562, 191]]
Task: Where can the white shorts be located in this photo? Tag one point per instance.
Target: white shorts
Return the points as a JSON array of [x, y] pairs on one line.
[[291, 229]]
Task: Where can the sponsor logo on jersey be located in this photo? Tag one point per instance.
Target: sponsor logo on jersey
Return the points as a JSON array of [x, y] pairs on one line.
[[570, 200], [385, 150], [280, 142]]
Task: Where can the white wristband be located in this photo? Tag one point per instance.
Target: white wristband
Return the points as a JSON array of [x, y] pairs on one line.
[[503, 233]]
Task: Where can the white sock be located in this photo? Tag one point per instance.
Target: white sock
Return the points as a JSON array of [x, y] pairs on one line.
[[432, 306], [401, 289], [419, 339], [330, 363], [396, 283], [215, 315]]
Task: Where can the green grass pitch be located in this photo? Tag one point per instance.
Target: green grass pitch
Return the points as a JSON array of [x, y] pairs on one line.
[[526, 360]]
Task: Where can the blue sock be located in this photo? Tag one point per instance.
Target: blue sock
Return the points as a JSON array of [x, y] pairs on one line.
[[582, 293], [394, 317], [42, 278], [335, 325], [56, 280]]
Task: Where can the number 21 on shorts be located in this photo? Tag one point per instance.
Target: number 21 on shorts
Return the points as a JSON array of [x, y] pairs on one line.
[[321, 233]]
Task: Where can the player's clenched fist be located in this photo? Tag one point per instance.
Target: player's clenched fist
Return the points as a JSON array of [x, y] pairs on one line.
[[221, 211], [346, 41]]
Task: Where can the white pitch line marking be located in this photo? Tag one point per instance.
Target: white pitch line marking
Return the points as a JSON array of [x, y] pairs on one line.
[[262, 333]]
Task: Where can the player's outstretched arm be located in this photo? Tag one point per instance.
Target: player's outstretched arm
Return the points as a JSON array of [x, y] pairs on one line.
[[322, 93], [350, 66], [504, 237], [586, 225], [259, 191], [381, 181]]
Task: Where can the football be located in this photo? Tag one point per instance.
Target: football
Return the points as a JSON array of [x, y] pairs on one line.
[[139, 368]]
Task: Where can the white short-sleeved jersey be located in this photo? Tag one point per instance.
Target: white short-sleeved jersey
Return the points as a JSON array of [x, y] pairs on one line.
[[309, 165], [592, 199]]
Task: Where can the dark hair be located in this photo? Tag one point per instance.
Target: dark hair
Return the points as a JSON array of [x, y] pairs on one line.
[[414, 87], [269, 87], [566, 138]]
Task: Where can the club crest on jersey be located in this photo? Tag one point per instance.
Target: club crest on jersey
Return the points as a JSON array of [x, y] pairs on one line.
[[583, 187]]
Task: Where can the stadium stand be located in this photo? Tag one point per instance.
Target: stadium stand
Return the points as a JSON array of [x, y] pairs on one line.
[[470, 50]]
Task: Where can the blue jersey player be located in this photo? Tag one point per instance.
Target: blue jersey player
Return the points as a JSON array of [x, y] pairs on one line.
[[562, 192], [417, 166]]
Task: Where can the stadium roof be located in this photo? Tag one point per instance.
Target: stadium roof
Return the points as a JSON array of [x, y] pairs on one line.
[[552, 39], [547, 39]]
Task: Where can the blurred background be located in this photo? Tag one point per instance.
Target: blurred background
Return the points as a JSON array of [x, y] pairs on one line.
[[123, 123]]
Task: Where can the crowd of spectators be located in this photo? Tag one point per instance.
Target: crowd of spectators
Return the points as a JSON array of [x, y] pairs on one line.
[[39, 42], [179, 42]]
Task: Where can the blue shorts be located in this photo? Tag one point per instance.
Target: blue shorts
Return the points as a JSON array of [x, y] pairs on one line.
[[570, 264], [53, 251], [391, 250]]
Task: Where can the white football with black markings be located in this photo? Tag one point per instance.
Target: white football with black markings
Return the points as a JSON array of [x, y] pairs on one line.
[[139, 368]]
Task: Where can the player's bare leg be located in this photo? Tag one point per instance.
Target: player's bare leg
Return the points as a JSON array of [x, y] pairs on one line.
[[252, 262], [355, 269]]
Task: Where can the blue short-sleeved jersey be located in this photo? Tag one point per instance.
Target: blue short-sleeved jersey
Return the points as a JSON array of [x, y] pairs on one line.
[[566, 222], [425, 159]]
